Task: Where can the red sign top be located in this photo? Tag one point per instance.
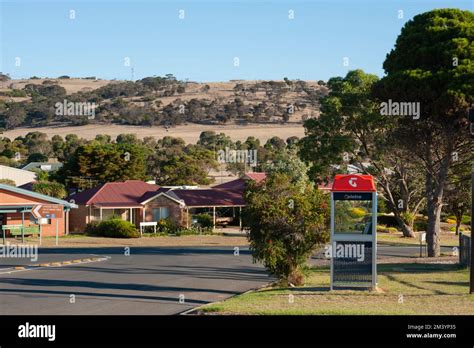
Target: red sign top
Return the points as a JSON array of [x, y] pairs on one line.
[[353, 182]]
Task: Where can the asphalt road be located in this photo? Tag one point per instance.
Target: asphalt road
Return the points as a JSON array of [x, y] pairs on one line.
[[148, 281], [158, 280]]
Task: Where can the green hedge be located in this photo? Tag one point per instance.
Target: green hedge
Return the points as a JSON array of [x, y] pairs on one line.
[[115, 228]]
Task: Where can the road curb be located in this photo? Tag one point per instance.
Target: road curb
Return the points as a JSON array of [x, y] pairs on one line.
[[55, 264]]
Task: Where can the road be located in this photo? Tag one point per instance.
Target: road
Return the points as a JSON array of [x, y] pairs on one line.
[[149, 281], [155, 280]]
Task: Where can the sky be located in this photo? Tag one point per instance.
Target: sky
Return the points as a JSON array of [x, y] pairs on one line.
[[203, 40]]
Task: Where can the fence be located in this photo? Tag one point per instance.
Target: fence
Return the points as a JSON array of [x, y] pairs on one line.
[[464, 250]]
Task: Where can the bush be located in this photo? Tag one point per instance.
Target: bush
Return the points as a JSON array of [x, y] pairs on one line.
[[466, 220], [205, 220], [287, 222], [115, 228], [91, 228], [194, 230], [166, 226], [385, 229]]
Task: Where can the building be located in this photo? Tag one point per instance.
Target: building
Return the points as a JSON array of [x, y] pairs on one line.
[[137, 202], [16, 212], [19, 176], [140, 202]]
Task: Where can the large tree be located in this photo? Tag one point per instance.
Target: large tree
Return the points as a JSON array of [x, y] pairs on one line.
[[432, 64], [104, 163], [351, 130]]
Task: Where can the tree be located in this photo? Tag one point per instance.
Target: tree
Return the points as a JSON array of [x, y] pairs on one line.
[[176, 164], [50, 188], [351, 130], [431, 65], [457, 198], [8, 182], [105, 163], [286, 225]]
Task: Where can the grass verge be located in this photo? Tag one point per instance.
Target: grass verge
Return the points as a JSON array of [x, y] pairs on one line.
[[405, 289]]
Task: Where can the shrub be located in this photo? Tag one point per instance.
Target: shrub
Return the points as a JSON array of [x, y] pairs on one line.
[[205, 220], [466, 220], [91, 228], [115, 228], [385, 229], [193, 230], [166, 226], [286, 222]]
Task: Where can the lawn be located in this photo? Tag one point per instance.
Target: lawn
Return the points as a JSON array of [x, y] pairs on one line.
[[82, 241], [416, 289], [447, 239]]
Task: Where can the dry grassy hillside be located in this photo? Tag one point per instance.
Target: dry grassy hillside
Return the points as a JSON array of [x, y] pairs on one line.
[[220, 92]]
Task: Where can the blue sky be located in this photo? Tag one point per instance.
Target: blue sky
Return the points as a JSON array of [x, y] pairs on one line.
[[203, 46]]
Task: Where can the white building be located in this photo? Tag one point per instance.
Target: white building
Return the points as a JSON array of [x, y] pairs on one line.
[[19, 176]]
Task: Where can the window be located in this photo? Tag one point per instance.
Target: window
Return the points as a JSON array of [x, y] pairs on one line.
[[161, 213], [353, 216]]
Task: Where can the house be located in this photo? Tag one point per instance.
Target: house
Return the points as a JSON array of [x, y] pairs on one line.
[[240, 183], [137, 201], [140, 202], [17, 207], [19, 176]]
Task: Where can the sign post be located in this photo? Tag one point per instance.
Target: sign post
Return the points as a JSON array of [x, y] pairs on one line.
[[353, 232], [48, 211], [422, 241]]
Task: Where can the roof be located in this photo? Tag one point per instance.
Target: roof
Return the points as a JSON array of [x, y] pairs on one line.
[[239, 184], [257, 177], [353, 183], [119, 194], [19, 176], [37, 195], [135, 193], [209, 197], [35, 165], [28, 186]]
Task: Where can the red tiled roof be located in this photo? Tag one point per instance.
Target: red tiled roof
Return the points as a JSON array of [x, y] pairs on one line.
[[122, 194], [209, 197], [257, 177]]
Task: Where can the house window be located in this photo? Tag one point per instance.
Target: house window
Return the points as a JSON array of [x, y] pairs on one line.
[[161, 213]]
